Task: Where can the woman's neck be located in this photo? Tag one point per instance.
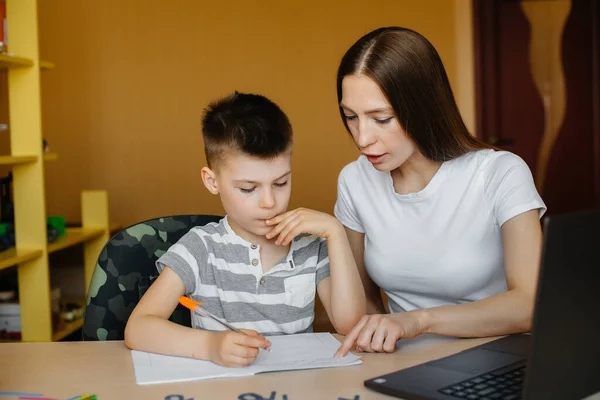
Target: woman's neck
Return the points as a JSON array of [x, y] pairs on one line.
[[415, 174]]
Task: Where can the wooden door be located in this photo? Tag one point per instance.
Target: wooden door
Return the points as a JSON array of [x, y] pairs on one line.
[[538, 92]]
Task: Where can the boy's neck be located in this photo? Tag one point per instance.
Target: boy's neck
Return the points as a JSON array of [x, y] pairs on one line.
[[270, 253]]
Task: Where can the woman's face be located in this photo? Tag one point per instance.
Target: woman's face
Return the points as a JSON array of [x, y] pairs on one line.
[[373, 124]]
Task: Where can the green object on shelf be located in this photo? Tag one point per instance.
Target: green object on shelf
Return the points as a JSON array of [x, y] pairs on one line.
[[4, 227], [57, 223]]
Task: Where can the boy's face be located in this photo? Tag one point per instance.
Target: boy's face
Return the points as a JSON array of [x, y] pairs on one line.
[[252, 189]]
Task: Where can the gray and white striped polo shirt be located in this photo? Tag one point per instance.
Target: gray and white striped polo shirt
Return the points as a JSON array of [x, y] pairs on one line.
[[224, 271]]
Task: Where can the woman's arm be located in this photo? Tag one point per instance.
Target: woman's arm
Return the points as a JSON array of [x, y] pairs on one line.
[[372, 291], [504, 313]]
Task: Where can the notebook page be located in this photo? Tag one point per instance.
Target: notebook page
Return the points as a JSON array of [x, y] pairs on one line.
[[302, 351], [288, 352], [153, 368]]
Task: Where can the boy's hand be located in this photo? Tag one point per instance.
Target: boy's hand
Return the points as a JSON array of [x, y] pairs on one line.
[[302, 220], [233, 349]]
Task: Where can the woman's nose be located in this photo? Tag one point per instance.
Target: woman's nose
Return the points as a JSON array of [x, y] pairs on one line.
[[364, 136]]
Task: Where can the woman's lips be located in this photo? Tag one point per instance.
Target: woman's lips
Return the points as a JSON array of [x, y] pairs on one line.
[[375, 158]]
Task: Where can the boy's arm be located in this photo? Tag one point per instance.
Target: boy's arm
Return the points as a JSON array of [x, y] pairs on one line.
[[372, 291], [342, 294], [148, 329]]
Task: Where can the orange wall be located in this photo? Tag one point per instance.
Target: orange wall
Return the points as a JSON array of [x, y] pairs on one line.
[[122, 107]]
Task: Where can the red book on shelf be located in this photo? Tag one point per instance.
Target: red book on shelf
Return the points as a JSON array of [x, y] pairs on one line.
[[2, 20]]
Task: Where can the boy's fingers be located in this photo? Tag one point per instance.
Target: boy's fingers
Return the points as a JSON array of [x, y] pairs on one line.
[[285, 236], [274, 220], [281, 226], [273, 232], [278, 218], [252, 332], [252, 341], [245, 352], [257, 335], [275, 228], [235, 361]]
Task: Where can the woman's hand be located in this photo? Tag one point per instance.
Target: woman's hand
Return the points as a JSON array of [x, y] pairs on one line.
[[288, 225], [380, 332]]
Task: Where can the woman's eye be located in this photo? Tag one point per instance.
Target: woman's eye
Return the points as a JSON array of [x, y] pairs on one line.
[[282, 184], [384, 121], [243, 190], [349, 117]]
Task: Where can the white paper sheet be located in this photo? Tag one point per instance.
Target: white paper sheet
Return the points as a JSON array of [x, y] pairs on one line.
[[288, 352]]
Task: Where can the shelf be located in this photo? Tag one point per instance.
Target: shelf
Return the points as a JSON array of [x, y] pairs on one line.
[[11, 257], [74, 236], [9, 341], [15, 160], [23, 82], [70, 327], [46, 64], [8, 60], [50, 156]]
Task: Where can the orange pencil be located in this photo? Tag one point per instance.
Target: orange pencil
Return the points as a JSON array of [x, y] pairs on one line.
[[195, 307]]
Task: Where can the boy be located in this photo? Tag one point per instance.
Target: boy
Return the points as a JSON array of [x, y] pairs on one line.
[[260, 266]]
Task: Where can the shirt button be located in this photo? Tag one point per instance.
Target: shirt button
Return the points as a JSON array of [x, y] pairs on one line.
[[254, 247], [255, 262], [262, 282]]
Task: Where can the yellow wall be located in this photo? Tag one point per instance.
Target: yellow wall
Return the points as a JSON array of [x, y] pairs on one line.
[[122, 108]]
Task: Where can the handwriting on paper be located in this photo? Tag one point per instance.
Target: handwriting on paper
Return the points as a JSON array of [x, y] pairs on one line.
[[252, 396], [273, 396]]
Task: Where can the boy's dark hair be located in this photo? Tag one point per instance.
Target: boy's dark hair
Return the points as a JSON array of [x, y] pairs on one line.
[[248, 123]]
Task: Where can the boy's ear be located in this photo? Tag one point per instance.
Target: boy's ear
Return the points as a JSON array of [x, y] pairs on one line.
[[209, 177]]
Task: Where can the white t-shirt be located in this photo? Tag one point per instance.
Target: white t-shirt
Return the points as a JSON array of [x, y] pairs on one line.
[[442, 245]]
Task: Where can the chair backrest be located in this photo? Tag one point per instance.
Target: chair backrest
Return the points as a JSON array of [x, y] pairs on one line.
[[125, 270]]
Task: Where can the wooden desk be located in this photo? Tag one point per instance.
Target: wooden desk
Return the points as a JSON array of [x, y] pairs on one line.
[[63, 370]]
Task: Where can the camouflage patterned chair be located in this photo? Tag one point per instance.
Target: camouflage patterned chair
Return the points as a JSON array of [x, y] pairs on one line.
[[125, 270]]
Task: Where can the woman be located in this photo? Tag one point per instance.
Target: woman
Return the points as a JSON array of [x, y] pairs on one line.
[[444, 224]]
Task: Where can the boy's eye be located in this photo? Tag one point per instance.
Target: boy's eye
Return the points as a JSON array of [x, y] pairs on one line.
[[384, 120], [282, 184], [349, 117], [244, 190]]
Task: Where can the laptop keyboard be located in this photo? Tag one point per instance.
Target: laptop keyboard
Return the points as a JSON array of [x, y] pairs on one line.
[[497, 385]]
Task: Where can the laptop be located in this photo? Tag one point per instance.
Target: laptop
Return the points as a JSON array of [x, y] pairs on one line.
[[559, 360]]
